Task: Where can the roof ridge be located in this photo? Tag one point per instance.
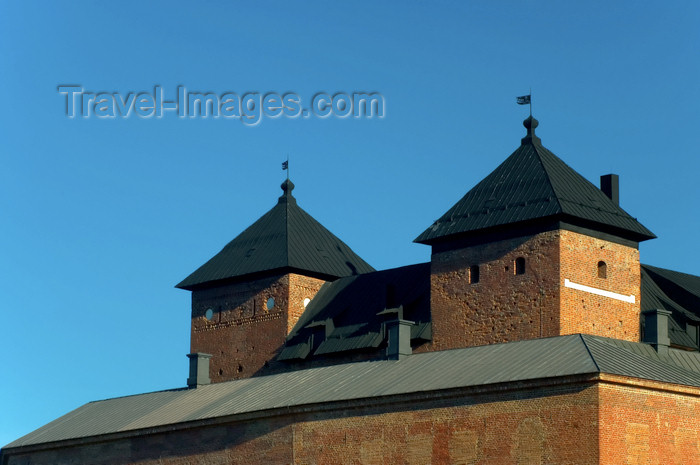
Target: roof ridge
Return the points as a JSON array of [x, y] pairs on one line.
[[535, 145], [588, 349]]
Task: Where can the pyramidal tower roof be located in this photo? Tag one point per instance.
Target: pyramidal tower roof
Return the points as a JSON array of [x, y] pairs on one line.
[[285, 239], [533, 184]]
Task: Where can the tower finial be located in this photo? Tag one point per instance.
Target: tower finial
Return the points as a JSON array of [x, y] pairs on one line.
[[530, 124], [287, 188]]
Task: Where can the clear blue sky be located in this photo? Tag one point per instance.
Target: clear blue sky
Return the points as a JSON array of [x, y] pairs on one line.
[[102, 217]]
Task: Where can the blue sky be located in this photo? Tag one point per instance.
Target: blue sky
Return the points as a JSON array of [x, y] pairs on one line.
[[102, 217]]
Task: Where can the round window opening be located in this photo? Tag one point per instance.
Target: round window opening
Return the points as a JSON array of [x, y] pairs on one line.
[[209, 314], [270, 303]]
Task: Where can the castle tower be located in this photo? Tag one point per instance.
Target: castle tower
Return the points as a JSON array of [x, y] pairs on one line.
[[534, 250], [247, 298]]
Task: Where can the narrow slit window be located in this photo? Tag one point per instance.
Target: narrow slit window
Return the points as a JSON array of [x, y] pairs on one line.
[[473, 274], [520, 265], [602, 269]]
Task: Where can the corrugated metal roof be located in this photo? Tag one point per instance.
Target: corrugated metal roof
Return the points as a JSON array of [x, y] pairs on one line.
[[433, 371], [286, 237], [532, 184]]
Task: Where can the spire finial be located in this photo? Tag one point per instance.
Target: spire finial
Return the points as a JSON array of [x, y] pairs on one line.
[[530, 124], [287, 188]]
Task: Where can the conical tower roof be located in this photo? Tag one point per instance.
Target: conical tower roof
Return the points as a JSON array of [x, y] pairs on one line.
[[532, 185], [285, 239]]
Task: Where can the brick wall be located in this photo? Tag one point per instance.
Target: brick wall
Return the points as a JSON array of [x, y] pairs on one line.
[[614, 420], [502, 306], [524, 426], [643, 424], [552, 425], [300, 289], [585, 312], [506, 306], [244, 334]]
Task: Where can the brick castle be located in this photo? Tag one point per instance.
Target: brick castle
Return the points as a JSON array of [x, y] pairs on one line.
[[533, 336]]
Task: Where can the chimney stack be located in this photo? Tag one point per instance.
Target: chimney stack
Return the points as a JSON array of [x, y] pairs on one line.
[[610, 185], [399, 338], [656, 329], [199, 370]]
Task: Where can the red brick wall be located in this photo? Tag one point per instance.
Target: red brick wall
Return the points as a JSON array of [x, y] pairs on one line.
[[502, 306], [300, 288], [548, 425], [553, 425], [613, 421], [640, 424], [244, 334], [584, 312]]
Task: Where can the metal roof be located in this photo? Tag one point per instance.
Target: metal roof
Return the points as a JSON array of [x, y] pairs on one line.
[[533, 184], [418, 373], [285, 238], [678, 293], [349, 309]]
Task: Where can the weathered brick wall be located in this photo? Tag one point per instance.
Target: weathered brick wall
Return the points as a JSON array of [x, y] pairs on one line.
[[300, 289], [585, 312], [244, 334], [502, 306], [552, 425], [641, 424], [505, 306], [501, 427]]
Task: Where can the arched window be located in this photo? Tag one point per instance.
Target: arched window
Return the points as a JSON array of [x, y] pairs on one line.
[[602, 270], [473, 274], [520, 265]]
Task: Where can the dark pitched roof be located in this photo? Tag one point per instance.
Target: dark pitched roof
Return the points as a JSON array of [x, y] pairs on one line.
[[678, 293], [348, 314], [534, 184], [418, 373], [284, 238]]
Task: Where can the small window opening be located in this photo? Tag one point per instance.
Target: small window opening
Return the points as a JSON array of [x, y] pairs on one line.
[[602, 269], [520, 265], [473, 274]]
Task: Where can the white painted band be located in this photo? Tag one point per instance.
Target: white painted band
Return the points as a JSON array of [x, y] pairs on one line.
[[613, 295]]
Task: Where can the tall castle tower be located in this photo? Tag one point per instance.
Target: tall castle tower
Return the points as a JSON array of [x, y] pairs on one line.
[[247, 298], [534, 250]]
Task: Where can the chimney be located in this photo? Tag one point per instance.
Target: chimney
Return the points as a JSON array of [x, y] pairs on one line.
[[199, 370], [610, 185], [656, 329], [399, 339]]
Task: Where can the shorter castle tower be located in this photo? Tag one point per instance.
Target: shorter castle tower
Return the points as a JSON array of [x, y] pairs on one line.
[[247, 298]]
